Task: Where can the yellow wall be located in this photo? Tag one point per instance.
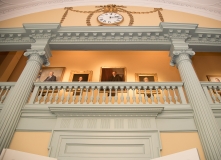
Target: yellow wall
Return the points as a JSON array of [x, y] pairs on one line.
[[37, 142], [134, 61], [207, 64], [31, 142], [79, 19], [177, 142]]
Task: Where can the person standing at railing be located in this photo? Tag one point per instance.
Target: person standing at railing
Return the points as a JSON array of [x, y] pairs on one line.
[[51, 77], [115, 77]]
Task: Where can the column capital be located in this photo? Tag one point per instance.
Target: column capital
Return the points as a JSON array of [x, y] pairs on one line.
[[43, 54], [178, 47]]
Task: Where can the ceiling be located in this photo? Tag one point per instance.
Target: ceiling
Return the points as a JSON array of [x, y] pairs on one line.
[[14, 8]]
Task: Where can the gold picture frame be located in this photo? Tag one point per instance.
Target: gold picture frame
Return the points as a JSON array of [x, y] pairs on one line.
[[106, 73], [214, 78], [151, 76], [44, 72], [86, 75]]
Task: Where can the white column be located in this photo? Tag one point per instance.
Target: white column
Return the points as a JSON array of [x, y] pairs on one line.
[[11, 111], [207, 126]]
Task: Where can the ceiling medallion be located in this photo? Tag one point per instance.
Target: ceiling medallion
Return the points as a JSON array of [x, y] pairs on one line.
[[110, 14]]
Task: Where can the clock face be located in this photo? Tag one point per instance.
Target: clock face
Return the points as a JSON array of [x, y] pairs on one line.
[[110, 18]]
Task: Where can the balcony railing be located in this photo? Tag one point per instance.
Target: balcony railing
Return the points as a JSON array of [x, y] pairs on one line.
[[120, 93], [115, 93], [212, 91], [5, 87]]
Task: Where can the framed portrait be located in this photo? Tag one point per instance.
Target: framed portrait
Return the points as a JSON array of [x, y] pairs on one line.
[[51, 74], [142, 77], [106, 74], [214, 78], [84, 76]]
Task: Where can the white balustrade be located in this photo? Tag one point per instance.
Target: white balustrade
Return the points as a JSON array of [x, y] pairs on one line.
[[108, 93], [5, 88], [212, 91]]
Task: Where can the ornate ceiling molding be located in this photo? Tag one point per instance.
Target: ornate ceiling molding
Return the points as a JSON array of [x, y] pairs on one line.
[[14, 8]]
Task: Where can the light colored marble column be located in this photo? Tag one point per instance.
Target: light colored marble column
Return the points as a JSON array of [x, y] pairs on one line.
[[11, 111], [207, 126]]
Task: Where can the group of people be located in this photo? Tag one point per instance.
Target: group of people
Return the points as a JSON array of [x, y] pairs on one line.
[[113, 77]]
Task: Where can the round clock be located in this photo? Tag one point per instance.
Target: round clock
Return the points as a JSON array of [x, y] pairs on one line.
[[110, 18]]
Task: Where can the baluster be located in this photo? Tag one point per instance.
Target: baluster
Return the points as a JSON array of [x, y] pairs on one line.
[[128, 96], [2, 89], [116, 95], [40, 96], [86, 95], [212, 94], [74, 95], [169, 96], [219, 87], [139, 97], [69, 95], [122, 95], [92, 95], [80, 96], [158, 97], [104, 96], [46, 95], [151, 95], [164, 95], [57, 95], [6, 92], [98, 94], [134, 96], [51, 97], [145, 94], [217, 94], [175, 95], [63, 94], [109, 98]]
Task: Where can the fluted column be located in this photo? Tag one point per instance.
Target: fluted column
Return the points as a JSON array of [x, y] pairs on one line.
[[11, 111], [207, 126]]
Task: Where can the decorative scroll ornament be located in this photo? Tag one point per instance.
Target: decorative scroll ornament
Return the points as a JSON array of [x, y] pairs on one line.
[[110, 10]]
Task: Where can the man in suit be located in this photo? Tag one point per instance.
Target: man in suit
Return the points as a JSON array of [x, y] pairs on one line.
[[50, 77], [115, 77], [80, 79]]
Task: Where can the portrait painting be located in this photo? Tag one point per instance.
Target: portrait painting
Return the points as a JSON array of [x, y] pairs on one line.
[[214, 78], [146, 77], [47, 74], [108, 74], [80, 76]]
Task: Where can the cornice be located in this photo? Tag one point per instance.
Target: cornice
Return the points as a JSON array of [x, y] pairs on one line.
[[72, 38]]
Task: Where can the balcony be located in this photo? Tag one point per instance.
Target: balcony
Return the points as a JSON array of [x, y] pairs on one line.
[[95, 94]]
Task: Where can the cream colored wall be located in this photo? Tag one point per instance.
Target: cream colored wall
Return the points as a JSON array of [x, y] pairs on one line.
[[79, 19], [37, 142], [134, 61], [177, 142], [207, 64], [31, 142]]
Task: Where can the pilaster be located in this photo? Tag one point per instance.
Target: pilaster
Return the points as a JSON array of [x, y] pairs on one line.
[[204, 119]]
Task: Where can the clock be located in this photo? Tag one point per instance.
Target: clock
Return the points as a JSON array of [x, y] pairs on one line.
[[110, 18]]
